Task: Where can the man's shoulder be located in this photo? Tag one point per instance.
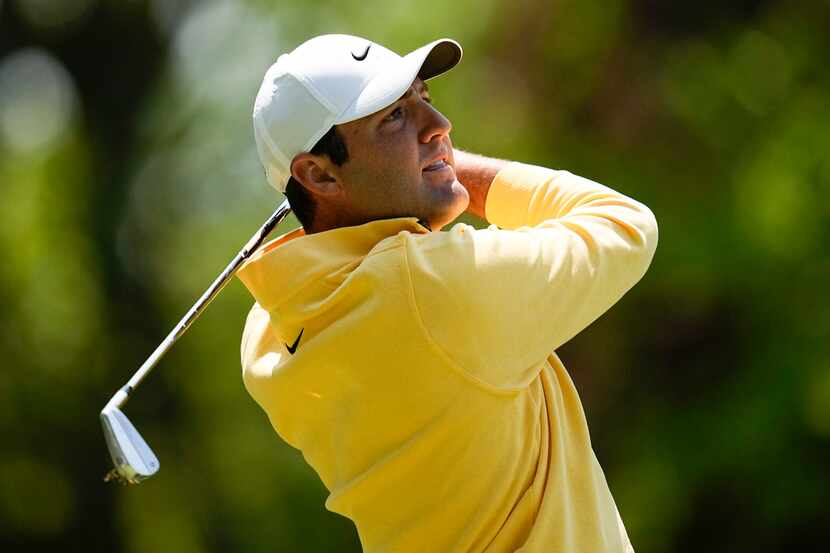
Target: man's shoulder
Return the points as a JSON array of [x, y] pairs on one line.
[[256, 334]]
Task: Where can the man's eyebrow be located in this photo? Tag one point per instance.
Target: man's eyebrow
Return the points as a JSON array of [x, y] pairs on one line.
[[406, 94], [421, 88]]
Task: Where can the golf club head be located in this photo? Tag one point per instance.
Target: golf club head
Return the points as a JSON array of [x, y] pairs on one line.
[[133, 459]]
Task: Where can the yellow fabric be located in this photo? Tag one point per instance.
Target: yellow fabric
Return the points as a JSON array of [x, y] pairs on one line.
[[424, 389]]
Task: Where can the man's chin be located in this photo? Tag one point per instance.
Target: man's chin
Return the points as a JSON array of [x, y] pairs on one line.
[[450, 205]]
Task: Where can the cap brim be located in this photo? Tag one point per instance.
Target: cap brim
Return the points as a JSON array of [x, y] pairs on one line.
[[385, 89]]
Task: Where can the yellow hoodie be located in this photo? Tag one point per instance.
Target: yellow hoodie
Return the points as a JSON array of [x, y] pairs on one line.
[[415, 369]]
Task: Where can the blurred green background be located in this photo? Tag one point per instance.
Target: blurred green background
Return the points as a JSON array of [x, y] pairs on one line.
[[129, 177]]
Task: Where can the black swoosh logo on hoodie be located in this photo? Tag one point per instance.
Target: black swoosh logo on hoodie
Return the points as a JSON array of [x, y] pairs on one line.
[[293, 347]]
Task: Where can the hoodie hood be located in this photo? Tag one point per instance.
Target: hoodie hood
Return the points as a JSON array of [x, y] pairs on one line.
[[296, 268]]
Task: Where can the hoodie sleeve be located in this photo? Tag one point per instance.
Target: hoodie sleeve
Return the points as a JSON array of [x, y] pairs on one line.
[[560, 251]]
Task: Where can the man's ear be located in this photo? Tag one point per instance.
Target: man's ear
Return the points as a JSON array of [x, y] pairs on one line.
[[314, 173]]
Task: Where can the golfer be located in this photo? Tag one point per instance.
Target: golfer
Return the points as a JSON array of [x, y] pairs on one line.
[[414, 368]]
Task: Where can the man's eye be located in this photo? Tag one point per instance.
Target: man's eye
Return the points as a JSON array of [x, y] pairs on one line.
[[397, 113], [427, 99]]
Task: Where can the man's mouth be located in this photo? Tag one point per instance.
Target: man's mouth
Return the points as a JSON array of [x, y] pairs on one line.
[[437, 166]]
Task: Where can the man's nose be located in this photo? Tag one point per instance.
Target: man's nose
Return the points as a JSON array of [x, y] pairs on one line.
[[434, 125]]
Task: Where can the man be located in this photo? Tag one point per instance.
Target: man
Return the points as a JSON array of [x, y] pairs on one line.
[[414, 368]]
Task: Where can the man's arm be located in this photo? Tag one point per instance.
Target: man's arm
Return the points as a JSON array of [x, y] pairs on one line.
[[476, 173], [560, 251]]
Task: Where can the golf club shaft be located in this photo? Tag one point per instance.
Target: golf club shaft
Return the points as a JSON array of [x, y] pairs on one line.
[[121, 396]]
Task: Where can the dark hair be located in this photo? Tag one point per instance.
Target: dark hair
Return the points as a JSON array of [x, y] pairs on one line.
[[301, 201]]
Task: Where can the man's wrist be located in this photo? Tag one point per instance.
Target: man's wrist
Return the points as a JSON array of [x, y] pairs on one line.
[[476, 173]]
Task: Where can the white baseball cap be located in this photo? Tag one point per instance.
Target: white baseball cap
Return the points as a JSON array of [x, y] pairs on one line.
[[330, 80]]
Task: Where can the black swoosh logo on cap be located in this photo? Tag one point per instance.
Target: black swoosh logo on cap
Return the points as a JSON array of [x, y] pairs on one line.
[[293, 347], [363, 57]]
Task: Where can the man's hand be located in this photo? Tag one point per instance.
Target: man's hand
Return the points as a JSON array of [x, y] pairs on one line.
[[475, 173]]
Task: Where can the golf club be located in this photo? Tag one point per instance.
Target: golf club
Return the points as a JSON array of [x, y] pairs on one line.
[[133, 459]]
